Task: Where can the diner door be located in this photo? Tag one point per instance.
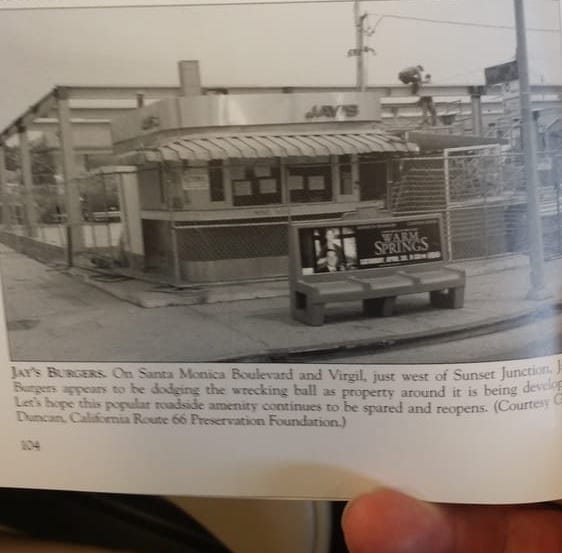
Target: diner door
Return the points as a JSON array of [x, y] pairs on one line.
[[373, 177]]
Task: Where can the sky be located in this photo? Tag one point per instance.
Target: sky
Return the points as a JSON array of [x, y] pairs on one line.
[[291, 44]]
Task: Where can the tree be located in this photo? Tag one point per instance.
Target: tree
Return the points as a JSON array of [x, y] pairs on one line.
[[43, 171], [43, 166]]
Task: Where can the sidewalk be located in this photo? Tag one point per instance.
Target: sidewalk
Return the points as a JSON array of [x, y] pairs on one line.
[[150, 295], [54, 315]]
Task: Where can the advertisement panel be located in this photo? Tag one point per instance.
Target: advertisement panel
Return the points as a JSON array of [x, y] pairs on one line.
[[379, 244]]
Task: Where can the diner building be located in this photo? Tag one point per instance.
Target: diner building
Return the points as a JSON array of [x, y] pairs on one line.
[[210, 181]]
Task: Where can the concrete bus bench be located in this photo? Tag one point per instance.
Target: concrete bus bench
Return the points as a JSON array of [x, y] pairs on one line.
[[376, 287]]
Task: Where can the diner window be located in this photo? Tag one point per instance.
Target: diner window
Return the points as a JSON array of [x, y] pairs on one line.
[[346, 175], [258, 184], [373, 178], [177, 198], [151, 187], [310, 181], [216, 181]]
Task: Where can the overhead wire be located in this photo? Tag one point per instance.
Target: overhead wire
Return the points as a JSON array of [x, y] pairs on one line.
[[38, 5], [16, 6], [382, 16], [463, 23]]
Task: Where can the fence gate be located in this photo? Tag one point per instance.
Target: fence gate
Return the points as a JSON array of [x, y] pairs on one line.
[[475, 195], [479, 192], [550, 177], [100, 220]]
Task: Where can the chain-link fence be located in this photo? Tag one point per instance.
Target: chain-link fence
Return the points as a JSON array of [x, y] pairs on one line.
[[38, 224], [482, 199], [479, 193], [249, 250]]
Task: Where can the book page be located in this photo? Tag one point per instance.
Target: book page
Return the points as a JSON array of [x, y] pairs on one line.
[[362, 288]]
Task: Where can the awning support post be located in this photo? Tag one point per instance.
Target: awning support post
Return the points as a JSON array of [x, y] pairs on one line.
[[176, 270], [27, 178], [75, 241]]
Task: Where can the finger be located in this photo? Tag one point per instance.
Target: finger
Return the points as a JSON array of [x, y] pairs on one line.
[[17, 544], [390, 522], [515, 529]]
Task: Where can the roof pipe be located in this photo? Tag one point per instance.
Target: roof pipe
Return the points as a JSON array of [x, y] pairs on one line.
[[190, 78]]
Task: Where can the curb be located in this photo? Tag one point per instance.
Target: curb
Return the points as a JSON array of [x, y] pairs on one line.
[[487, 326], [148, 299]]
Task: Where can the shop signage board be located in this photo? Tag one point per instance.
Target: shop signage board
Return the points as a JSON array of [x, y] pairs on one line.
[[332, 111], [501, 73], [196, 178], [231, 110], [145, 121], [506, 77], [223, 110]]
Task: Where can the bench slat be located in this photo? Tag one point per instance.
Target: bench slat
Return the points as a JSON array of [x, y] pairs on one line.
[[443, 276]]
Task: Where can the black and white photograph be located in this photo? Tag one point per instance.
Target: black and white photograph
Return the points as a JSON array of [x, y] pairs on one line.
[[354, 181]]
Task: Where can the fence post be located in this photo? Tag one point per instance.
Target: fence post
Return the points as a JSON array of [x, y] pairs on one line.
[[485, 214], [285, 187], [93, 185], [447, 206], [4, 192], [172, 226], [554, 182], [107, 219], [283, 176]]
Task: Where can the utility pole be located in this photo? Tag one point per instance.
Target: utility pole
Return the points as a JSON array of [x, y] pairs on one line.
[[359, 46], [360, 49], [560, 23], [538, 289]]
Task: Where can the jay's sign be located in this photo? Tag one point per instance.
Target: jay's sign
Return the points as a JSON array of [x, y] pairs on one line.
[[337, 111]]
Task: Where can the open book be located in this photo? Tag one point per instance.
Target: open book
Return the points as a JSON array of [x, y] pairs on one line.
[[282, 250]]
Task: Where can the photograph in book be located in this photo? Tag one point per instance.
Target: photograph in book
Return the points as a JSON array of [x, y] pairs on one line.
[[333, 228], [280, 182]]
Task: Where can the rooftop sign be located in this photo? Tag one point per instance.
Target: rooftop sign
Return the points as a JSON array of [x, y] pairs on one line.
[[197, 113], [503, 73]]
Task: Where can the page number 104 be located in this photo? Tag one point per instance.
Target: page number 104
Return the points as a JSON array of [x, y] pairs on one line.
[[30, 445]]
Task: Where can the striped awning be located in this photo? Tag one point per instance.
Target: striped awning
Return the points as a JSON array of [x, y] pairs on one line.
[[255, 146]]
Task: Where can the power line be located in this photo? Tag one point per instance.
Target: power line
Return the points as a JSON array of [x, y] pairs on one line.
[[88, 5], [462, 23], [42, 5], [217, 3]]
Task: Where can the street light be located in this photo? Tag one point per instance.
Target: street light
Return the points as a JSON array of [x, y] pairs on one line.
[[538, 289]]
